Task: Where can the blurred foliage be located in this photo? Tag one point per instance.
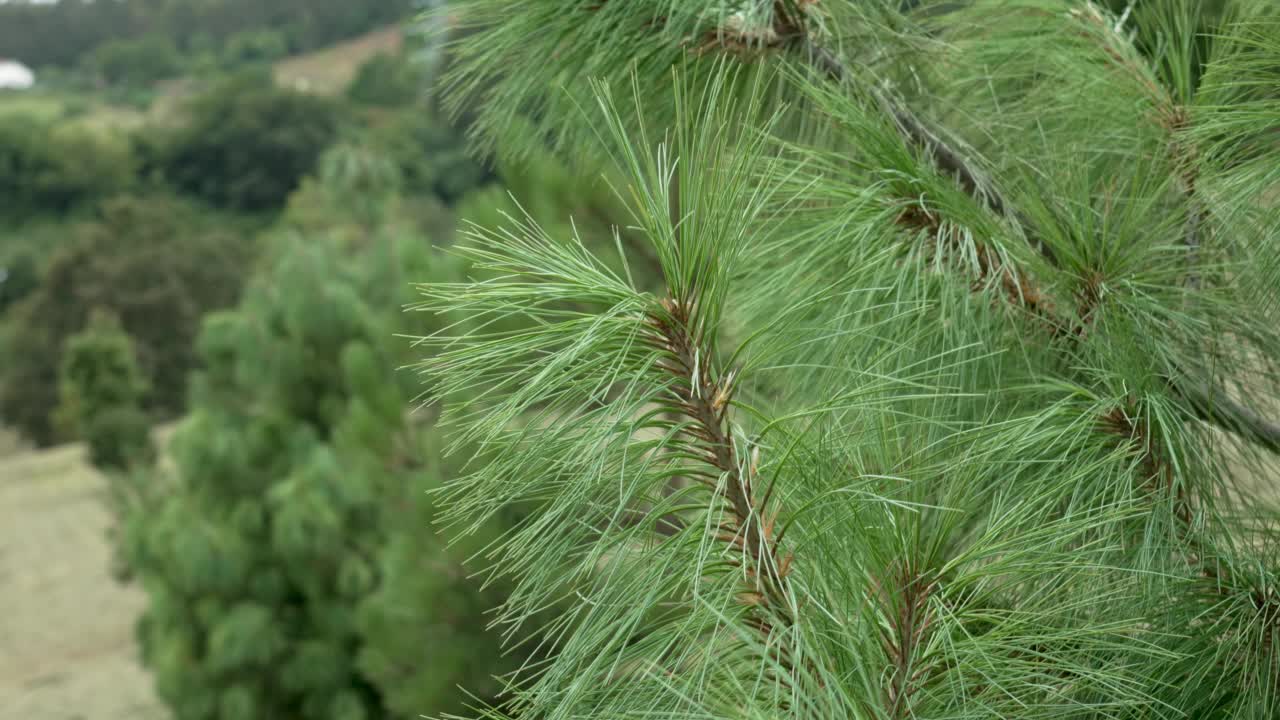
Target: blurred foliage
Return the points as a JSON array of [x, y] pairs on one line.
[[119, 438], [386, 80], [18, 277], [432, 155], [247, 144], [56, 167], [65, 33], [101, 388], [359, 183], [140, 61], [285, 566], [150, 261], [255, 46]]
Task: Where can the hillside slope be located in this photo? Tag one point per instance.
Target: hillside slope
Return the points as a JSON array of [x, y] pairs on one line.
[[330, 70]]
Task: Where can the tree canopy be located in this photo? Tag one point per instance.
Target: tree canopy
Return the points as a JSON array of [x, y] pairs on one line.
[[152, 263], [248, 144]]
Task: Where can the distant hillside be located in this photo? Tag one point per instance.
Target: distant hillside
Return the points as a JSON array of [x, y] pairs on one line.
[[73, 34], [330, 70]]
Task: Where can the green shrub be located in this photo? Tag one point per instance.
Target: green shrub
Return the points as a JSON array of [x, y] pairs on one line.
[[99, 370], [119, 438], [138, 62], [53, 168], [247, 144], [101, 389], [386, 80]]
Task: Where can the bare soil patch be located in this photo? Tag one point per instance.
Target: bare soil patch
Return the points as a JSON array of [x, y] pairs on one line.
[[67, 648]]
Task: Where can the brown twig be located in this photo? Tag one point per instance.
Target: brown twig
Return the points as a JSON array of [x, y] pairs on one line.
[[1019, 289], [910, 618], [703, 394], [1157, 471], [1213, 405]]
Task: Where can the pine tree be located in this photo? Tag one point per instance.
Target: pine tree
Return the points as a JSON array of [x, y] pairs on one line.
[[954, 401], [273, 555], [101, 388]]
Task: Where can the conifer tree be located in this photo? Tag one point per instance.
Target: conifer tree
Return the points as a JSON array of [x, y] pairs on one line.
[[958, 399], [101, 388], [273, 554]]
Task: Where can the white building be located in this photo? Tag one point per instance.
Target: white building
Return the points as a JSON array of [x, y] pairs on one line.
[[15, 76]]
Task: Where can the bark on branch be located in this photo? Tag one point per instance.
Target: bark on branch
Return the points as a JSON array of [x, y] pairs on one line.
[[1213, 405]]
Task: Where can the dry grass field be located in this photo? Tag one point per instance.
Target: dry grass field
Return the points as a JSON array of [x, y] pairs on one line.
[[66, 627]]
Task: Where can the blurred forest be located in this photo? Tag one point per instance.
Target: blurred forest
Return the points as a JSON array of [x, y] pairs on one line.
[[191, 238], [112, 35]]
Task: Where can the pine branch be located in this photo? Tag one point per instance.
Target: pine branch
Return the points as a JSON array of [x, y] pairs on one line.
[[1019, 287], [942, 154], [934, 638], [704, 395], [1158, 475], [1171, 115], [908, 630], [1210, 403]]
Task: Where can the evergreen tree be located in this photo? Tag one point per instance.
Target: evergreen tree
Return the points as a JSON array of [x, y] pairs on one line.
[[101, 389], [954, 401], [248, 144], [290, 561]]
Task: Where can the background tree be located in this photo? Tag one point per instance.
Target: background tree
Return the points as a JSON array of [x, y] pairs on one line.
[[248, 144], [433, 156], [150, 262], [56, 169], [142, 61], [386, 80], [954, 401], [253, 563], [101, 389], [290, 564]]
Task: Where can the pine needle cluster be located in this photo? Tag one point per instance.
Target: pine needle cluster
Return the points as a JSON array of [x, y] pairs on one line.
[[956, 397]]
